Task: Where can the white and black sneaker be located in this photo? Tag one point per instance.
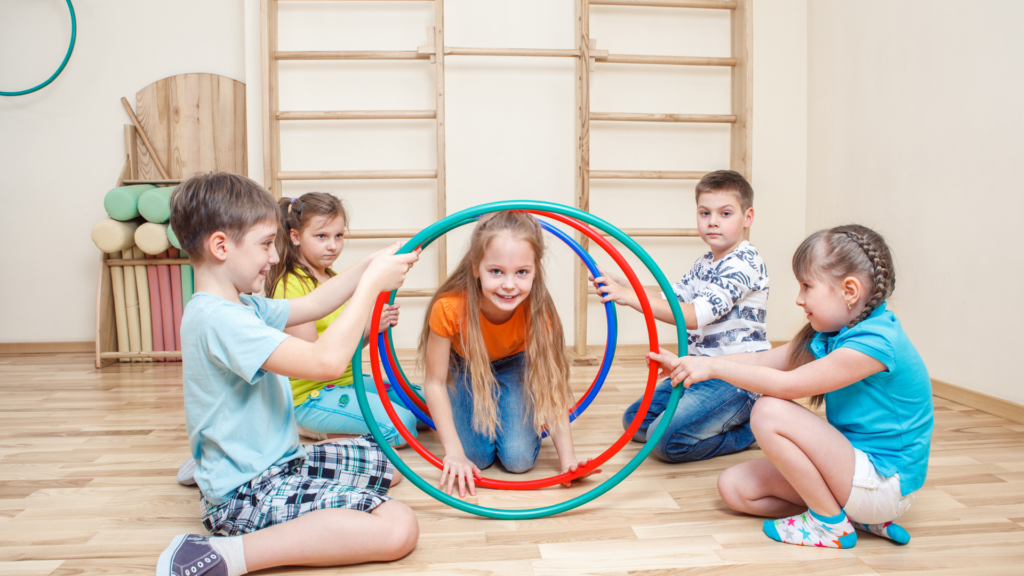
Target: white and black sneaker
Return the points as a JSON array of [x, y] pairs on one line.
[[191, 555]]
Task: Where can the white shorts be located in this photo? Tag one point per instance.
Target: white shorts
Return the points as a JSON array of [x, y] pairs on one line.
[[875, 498]]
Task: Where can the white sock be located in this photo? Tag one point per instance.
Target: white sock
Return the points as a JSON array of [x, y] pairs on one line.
[[230, 549]]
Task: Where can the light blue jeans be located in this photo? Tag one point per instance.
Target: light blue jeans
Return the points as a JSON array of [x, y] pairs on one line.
[[515, 444], [336, 411], [712, 419]]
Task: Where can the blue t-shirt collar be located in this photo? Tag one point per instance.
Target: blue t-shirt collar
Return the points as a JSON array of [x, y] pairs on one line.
[[823, 342]]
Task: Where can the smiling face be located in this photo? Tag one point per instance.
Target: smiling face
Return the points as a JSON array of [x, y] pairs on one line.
[[721, 221], [320, 243], [830, 306], [506, 273], [249, 261]]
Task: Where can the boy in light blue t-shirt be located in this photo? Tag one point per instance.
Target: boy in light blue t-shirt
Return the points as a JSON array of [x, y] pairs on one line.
[[271, 501]]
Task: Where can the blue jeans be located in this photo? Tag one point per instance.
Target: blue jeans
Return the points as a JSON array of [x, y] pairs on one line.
[[515, 444], [712, 419], [336, 411]]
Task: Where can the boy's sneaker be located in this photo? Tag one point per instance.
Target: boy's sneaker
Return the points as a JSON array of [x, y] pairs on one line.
[[187, 473], [191, 555]]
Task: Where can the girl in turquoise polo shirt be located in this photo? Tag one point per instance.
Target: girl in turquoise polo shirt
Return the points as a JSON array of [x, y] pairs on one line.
[[861, 466]]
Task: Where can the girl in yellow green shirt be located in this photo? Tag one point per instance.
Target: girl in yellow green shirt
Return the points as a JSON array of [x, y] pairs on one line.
[[309, 241]]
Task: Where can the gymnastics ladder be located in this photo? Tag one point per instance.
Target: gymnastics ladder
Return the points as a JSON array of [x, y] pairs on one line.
[[741, 30], [273, 116]]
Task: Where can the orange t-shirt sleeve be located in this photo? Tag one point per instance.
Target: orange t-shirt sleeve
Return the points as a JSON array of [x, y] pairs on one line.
[[444, 320]]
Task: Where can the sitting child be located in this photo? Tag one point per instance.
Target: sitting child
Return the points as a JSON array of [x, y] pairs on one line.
[[862, 466], [723, 299], [271, 501]]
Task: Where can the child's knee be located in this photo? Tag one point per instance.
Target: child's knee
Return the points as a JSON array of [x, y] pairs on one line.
[[765, 415], [519, 457], [404, 530], [728, 488]]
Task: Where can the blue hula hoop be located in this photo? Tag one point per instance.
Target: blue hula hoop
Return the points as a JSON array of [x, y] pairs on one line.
[[606, 365]]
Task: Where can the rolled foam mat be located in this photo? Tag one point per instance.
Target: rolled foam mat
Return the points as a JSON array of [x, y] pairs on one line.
[[123, 203], [152, 238], [155, 310], [145, 312], [155, 204], [131, 302], [176, 302], [163, 273], [173, 238], [120, 312], [114, 236]]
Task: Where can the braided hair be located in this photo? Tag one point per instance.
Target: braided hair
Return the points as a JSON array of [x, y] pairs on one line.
[[837, 253]]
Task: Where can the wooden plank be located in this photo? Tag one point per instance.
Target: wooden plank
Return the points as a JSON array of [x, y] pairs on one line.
[[416, 292], [741, 139], [658, 232], [979, 400], [646, 175], [668, 60], [144, 261], [131, 142], [72, 347], [358, 175], [347, 55], [381, 233], [712, 4], [268, 46], [358, 115], [106, 337], [580, 281], [646, 117], [150, 354], [439, 106], [158, 182], [142, 136]]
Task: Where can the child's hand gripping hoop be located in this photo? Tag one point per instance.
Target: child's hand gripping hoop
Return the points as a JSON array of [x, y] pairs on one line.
[[557, 212]]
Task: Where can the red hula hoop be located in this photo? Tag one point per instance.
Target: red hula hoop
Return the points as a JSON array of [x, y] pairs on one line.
[[645, 404]]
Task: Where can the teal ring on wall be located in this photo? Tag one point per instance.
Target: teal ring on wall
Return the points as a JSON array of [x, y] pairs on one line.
[[428, 487], [71, 48]]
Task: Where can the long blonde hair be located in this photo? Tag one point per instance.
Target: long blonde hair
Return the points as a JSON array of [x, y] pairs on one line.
[[837, 253], [546, 385]]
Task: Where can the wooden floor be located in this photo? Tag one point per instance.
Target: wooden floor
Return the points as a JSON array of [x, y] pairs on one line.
[[88, 458]]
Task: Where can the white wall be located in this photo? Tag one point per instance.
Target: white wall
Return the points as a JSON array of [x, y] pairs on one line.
[[510, 130], [62, 148], [916, 129], [510, 127]]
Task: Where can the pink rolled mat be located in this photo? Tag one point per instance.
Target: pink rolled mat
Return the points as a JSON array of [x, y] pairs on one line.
[[176, 302], [163, 274], [154, 307]]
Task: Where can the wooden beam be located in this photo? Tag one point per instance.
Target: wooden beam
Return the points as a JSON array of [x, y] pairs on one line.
[[145, 261], [358, 115], [145, 140], [168, 182], [658, 232], [670, 60], [712, 4], [580, 279], [416, 292], [646, 117], [741, 136], [439, 106], [358, 175], [646, 175], [270, 93], [394, 233], [349, 55], [150, 354], [527, 52]]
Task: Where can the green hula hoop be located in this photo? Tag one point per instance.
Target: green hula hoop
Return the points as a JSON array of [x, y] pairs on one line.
[[71, 47], [442, 226]]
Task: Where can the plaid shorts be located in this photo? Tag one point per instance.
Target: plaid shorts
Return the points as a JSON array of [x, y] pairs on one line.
[[353, 474]]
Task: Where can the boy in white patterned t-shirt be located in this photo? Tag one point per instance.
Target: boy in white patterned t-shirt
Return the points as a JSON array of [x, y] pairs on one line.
[[723, 299]]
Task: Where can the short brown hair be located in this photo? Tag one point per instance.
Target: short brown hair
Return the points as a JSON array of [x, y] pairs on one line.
[[727, 181], [218, 201]]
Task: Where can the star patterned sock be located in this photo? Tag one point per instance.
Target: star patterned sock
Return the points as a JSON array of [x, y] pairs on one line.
[[813, 529], [889, 530]]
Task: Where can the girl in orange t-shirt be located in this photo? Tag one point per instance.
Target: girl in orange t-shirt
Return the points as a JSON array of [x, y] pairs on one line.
[[496, 376]]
